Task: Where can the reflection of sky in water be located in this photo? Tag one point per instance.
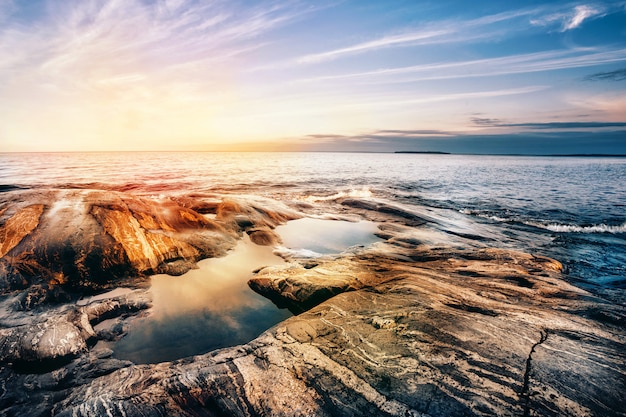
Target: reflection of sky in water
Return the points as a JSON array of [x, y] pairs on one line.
[[204, 309], [326, 236]]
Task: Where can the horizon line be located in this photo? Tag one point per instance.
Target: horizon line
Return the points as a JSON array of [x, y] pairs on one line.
[[430, 153]]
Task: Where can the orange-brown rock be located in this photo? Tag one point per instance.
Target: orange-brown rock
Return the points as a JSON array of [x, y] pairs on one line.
[[263, 236], [257, 212], [145, 250], [477, 333], [93, 239], [403, 328], [19, 226]]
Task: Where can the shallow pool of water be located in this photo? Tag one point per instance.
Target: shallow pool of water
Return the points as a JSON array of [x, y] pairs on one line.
[[212, 307], [205, 309], [314, 237]]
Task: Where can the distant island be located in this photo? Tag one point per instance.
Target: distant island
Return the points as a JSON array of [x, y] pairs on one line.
[[425, 152], [594, 155]]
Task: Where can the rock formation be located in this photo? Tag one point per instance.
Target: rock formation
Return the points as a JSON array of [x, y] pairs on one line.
[[93, 240], [401, 328]]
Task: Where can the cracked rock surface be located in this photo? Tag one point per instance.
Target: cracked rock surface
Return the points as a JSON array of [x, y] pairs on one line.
[[397, 329]]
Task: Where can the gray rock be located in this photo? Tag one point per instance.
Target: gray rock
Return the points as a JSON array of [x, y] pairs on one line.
[[405, 329]]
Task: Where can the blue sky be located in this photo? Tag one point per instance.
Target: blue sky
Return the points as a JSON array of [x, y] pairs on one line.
[[455, 76]]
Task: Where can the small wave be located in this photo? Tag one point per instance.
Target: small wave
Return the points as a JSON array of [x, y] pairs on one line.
[[596, 228], [553, 227], [486, 216], [364, 192], [544, 224]]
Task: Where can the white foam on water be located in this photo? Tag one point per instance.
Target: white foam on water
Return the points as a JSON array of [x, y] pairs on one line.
[[596, 228], [554, 227], [364, 192]]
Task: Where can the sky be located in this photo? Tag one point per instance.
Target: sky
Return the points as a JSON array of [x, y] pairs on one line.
[[530, 77]]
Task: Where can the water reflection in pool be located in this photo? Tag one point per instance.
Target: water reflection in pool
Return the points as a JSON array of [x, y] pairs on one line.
[[313, 237], [213, 307], [204, 309]]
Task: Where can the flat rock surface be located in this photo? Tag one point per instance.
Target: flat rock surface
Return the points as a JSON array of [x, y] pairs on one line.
[[397, 329]]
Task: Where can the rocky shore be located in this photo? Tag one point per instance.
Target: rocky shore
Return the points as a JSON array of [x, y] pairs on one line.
[[406, 327]]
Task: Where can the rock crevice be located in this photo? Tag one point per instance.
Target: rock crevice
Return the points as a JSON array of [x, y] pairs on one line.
[[525, 393]]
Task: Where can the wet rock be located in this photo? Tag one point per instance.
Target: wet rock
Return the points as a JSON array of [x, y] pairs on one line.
[[379, 211], [42, 346], [40, 294], [58, 335], [399, 346], [18, 226], [258, 212], [299, 288], [88, 240], [405, 329], [263, 237]]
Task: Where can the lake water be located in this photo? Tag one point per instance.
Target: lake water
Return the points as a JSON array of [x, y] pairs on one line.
[[569, 208]]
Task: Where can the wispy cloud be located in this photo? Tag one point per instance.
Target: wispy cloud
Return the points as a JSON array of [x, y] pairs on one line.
[[486, 122], [387, 41], [168, 69], [98, 72], [450, 97], [83, 44], [506, 65], [617, 75], [412, 132], [572, 18], [581, 13], [451, 30], [466, 30]]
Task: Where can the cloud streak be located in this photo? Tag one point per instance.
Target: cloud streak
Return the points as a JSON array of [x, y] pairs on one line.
[[617, 75], [488, 122], [430, 34], [194, 71], [570, 19], [581, 13], [463, 31], [506, 65], [411, 38], [81, 44]]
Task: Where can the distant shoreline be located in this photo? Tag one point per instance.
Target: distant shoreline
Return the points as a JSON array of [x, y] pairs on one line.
[[564, 155], [591, 155]]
